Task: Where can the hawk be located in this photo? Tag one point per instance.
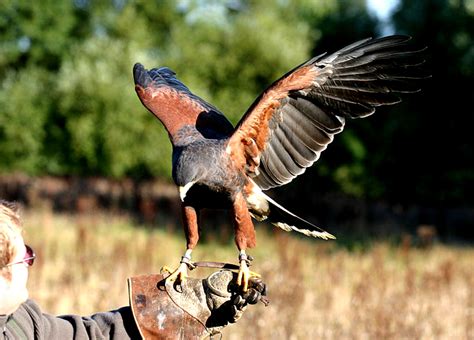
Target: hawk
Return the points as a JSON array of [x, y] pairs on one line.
[[282, 133]]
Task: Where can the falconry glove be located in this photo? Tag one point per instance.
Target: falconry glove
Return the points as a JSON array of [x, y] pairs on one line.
[[195, 309]]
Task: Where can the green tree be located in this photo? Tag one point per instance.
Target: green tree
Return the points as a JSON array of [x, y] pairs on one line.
[[84, 116], [33, 40]]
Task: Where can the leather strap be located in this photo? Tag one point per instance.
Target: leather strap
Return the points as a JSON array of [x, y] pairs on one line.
[[212, 264]]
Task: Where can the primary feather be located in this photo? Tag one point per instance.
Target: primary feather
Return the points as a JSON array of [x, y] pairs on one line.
[[350, 83]]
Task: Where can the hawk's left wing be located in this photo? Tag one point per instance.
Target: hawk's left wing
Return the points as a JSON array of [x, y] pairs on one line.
[[294, 120]]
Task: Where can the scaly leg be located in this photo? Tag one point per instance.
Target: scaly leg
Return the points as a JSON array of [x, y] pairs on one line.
[[244, 238], [181, 273], [244, 271]]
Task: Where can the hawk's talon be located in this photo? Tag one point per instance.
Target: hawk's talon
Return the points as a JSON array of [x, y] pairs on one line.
[[254, 274], [165, 269], [179, 275], [244, 275]]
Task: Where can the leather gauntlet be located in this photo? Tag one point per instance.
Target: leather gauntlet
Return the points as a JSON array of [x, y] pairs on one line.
[[193, 310]]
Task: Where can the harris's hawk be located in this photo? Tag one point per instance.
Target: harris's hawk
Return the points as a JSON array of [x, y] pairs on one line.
[[282, 133]]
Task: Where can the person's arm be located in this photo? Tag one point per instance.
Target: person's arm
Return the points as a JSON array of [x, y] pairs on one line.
[[196, 309], [34, 324]]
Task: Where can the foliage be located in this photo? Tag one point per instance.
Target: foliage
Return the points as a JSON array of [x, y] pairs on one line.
[[89, 120]]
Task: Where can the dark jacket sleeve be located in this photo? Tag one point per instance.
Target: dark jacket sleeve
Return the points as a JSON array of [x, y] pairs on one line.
[[29, 320]]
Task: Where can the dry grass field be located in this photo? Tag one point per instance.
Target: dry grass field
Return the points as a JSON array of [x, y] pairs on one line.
[[317, 289]]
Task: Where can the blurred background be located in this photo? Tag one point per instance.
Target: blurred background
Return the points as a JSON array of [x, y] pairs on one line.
[[69, 110], [92, 167]]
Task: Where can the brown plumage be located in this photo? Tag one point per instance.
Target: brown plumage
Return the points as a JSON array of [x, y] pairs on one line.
[[281, 134]]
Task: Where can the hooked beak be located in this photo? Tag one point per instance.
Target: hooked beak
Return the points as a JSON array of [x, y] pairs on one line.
[[184, 190]]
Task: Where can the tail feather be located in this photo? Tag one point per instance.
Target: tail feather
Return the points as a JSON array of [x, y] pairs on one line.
[[286, 220]]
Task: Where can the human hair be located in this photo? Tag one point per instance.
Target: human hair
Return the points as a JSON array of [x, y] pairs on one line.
[[10, 228]]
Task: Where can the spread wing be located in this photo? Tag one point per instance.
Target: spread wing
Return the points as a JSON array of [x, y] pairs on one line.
[[182, 113], [293, 121]]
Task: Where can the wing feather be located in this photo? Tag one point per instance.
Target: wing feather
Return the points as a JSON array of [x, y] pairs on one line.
[[183, 114], [299, 152], [296, 118]]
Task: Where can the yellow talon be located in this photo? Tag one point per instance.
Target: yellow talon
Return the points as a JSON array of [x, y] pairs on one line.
[[180, 274], [244, 275], [165, 269], [254, 274]]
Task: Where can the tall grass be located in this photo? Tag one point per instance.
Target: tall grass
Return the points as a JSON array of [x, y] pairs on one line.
[[317, 290]]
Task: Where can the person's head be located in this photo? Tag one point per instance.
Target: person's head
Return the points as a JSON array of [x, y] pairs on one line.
[[13, 252]]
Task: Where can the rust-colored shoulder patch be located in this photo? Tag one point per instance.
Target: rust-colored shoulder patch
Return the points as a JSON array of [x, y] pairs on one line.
[[173, 108], [254, 128]]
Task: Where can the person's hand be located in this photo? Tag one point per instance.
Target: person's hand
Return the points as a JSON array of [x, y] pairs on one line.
[[227, 301]]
